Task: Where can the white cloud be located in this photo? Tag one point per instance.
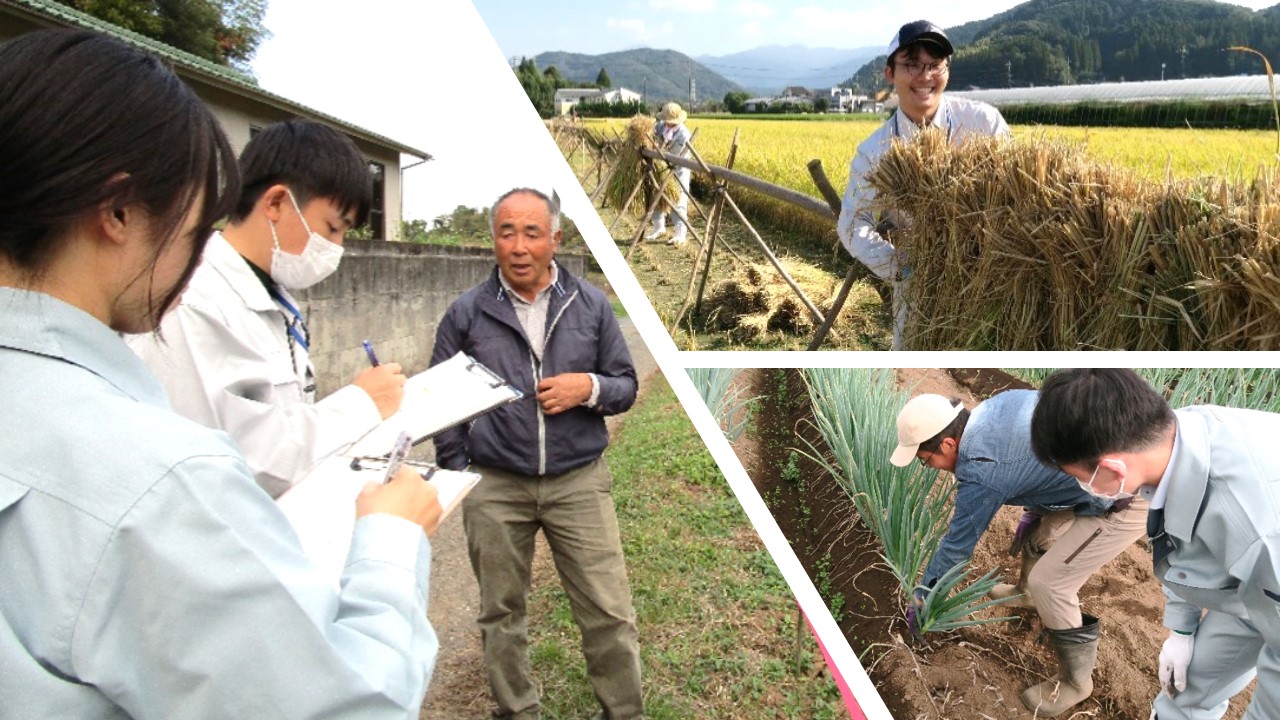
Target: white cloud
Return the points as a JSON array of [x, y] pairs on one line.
[[750, 30], [684, 6], [753, 9], [633, 26], [812, 21]]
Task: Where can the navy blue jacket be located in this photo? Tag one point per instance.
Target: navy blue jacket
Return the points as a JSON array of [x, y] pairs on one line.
[[582, 336]]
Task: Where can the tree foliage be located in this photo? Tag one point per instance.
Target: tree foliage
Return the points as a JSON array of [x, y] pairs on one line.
[[539, 86], [735, 101], [226, 32], [602, 79], [1049, 42]]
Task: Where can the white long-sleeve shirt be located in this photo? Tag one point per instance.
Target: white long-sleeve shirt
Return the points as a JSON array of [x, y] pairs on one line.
[[145, 574], [960, 118], [228, 362]]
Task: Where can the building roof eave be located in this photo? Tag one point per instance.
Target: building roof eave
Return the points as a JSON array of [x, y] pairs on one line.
[[45, 12]]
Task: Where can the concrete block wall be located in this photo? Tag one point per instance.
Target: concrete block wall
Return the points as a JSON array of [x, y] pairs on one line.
[[392, 294]]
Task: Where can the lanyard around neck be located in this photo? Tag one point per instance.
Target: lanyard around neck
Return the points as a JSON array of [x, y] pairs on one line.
[[295, 328]]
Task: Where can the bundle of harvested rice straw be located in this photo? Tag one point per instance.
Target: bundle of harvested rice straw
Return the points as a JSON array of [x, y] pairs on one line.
[[631, 167], [755, 304], [1032, 245]]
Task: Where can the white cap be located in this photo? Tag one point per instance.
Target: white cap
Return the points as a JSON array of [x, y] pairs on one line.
[[921, 418]]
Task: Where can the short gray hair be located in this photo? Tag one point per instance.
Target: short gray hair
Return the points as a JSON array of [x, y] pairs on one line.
[[552, 201]]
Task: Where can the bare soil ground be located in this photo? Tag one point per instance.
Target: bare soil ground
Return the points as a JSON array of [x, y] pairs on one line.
[[977, 672]]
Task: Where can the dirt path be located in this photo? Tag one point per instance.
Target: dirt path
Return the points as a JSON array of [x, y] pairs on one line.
[[460, 689]]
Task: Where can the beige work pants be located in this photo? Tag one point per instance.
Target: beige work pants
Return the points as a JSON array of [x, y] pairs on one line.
[[1075, 547]]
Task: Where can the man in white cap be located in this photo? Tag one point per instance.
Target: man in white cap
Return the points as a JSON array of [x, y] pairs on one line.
[[918, 67], [673, 137], [1066, 533]]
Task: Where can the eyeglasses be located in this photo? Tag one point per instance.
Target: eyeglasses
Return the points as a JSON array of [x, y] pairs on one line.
[[925, 460], [916, 69]]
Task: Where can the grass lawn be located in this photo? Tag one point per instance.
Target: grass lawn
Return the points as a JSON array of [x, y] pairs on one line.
[[717, 622]]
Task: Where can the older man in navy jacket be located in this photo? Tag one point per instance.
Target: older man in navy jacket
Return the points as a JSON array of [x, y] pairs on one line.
[[556, 339]]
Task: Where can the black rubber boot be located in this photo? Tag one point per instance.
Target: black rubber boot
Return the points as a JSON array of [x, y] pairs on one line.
[[1077, 653]]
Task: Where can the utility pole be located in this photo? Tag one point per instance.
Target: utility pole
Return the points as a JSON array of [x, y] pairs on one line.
[[1008, 73], [1161, 72], [693, 88], [1182, 52]]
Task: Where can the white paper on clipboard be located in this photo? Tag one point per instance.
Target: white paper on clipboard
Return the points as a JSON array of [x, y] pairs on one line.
[[451, 393], [322, 508]]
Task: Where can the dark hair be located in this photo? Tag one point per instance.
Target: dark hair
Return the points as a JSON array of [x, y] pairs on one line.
[[953, 430], [87, 120], [1085, 413], [552, 201], [911, 51], [313, 160]]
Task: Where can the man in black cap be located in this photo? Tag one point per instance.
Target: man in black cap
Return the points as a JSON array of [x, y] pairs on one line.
[[918, 67]]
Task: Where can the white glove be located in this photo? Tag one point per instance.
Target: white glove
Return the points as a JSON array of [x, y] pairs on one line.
[[1175, 656]]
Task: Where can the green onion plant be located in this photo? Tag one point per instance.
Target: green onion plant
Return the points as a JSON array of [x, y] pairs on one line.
[[907, 509], [725, 400]]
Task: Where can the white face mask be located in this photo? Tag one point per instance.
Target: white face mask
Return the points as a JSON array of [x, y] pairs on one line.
[[318, 260], [1120, 493]]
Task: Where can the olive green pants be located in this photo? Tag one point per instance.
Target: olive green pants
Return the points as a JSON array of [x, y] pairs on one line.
[[502, 516]]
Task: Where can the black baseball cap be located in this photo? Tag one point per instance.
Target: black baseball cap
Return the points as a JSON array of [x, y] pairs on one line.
[[921, 30]]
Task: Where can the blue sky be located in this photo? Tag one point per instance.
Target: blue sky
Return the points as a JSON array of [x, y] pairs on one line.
[[718, 27]]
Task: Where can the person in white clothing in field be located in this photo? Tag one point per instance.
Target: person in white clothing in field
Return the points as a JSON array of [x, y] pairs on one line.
[[234, 354], [918, 67], [671, 135]]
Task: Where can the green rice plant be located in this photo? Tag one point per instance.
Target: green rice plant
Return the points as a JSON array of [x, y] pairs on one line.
[[723, 398], [907, 510]]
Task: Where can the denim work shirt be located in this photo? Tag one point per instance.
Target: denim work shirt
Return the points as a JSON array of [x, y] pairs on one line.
[[146, 575], [995, 467]]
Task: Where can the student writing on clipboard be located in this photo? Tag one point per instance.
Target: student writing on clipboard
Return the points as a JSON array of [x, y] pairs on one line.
[[146, 575], [235, 353]]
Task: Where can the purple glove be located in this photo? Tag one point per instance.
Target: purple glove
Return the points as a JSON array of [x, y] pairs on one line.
[[911, 620], [1027, 525]]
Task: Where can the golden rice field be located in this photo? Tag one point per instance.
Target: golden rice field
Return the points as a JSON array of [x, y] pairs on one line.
[[778, 150]]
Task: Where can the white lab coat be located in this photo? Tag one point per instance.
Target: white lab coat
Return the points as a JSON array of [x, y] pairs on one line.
[[228, 362]]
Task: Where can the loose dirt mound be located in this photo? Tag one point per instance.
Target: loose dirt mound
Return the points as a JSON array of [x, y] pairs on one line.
[[977, 672]]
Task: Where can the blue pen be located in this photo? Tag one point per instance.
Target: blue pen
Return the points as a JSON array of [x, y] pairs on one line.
[[368, 350]]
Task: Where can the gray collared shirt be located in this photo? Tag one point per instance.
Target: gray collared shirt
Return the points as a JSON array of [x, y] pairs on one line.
[[533, 318]]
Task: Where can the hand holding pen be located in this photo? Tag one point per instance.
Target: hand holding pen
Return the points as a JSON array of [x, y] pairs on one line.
[[399, 452], [384, 382], [402, 492]]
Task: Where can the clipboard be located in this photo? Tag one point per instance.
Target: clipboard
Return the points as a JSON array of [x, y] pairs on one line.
[[321, 509], [453, 392]]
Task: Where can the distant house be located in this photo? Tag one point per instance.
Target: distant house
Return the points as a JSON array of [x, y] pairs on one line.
[[242, 108], [566, 98], [845, 101], [795, 92]]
